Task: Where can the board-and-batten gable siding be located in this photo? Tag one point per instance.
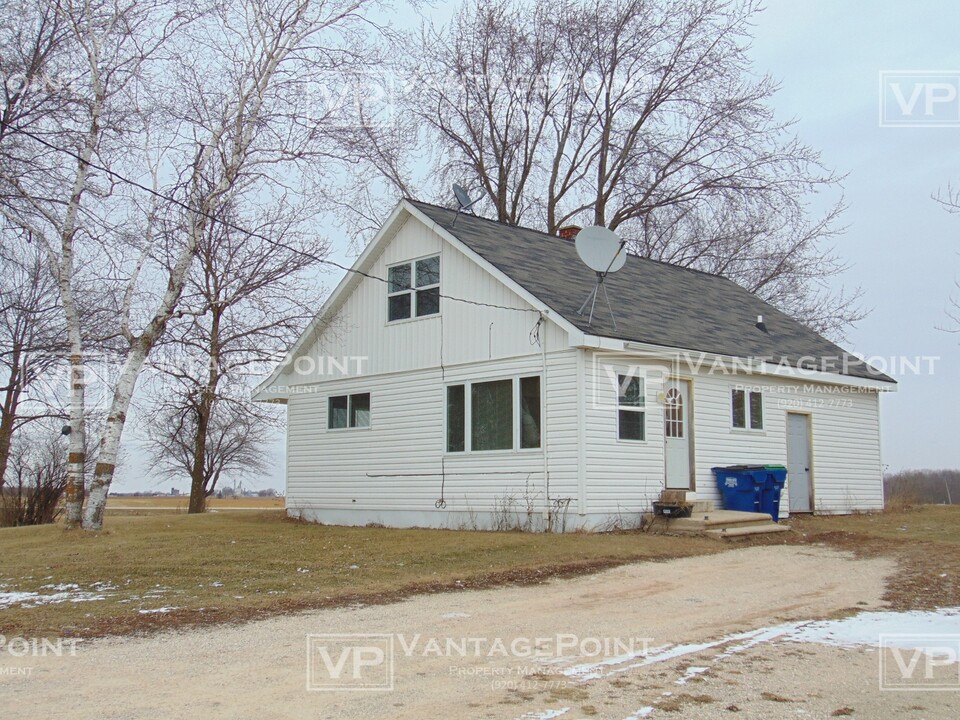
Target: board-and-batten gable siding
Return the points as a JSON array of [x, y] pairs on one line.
[[395, 464], [359, 328], [845, 437], [622, 476]]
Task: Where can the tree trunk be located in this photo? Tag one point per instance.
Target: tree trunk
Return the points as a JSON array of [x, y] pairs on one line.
[[198, 476], [8, 416], [110, 439], [198, 489]]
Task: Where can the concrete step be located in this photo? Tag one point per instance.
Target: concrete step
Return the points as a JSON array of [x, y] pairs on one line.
[[735, 532], [715, 519]]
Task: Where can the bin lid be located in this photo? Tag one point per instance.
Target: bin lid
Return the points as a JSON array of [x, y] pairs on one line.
[[738, 468], [775, 467]]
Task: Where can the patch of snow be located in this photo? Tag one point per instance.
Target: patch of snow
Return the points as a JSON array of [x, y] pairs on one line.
[[454, 615], [29, 599], [544, 714], [157, 610], [641, 713], [216, 583], [911, 630], [691, 672]]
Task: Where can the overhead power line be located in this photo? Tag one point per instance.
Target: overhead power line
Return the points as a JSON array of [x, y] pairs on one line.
[[237, 228]]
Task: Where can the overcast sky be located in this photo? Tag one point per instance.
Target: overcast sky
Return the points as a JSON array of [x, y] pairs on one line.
[[902, 248]]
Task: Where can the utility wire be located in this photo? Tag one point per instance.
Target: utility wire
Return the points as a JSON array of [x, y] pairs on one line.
[[237, 228]]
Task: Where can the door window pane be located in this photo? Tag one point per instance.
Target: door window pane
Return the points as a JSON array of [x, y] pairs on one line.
[[491, 415], [530, 412], [673, 413]]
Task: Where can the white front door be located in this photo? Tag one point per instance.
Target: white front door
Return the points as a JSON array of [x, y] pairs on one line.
[[677, 430], [798, 463]]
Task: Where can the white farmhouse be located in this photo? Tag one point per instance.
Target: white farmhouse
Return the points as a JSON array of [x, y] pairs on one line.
[[451, 381]]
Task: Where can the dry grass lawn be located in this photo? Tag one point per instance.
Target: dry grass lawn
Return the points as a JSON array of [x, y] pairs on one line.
[[154, 570], [232, 566]]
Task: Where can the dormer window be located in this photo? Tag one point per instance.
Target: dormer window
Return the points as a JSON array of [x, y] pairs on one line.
[[413, 289]]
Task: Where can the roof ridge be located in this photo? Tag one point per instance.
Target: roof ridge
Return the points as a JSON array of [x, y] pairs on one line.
[[557, 237]]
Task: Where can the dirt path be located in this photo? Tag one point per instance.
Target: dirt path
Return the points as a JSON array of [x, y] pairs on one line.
[[260, 669]]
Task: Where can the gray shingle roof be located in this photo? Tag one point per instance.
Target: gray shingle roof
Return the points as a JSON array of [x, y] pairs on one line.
[[654, 302]]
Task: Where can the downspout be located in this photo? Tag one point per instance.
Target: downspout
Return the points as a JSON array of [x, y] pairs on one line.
[[544, 420]]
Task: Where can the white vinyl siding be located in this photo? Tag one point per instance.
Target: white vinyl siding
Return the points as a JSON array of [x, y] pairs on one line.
[[400, 465]]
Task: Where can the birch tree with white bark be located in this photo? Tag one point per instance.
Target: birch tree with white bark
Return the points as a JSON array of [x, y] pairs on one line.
[[219, 98]]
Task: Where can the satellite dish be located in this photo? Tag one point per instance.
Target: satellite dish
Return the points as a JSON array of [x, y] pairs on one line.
[[600, 249], [462, 196], [603, 252], [463, 199]]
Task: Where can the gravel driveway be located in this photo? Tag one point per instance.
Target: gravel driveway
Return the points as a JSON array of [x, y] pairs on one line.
[[635, 641]]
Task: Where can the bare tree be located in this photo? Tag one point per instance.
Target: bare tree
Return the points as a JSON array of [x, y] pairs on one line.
[[643, 116], [233, 442], [246, 301], [30, 342], [221, 99], [38, 471]]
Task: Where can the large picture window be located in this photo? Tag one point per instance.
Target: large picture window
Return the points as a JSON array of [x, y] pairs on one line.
[[345, 411], [631, 408], [747, 408], [413, 289], [494, 415]]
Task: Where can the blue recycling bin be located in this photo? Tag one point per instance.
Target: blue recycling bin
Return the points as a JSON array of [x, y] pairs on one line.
[[741, 486], [776, 478]]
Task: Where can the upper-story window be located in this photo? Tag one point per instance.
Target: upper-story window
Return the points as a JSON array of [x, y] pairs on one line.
[[413, 289]]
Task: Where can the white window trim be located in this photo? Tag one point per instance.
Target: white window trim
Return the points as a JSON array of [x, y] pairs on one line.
[[468, 417], [642, 409], [349, 396], [412, 291], [746, 411]]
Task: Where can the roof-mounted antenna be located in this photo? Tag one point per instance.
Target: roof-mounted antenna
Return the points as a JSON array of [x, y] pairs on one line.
[[463, 200], [603, 252]]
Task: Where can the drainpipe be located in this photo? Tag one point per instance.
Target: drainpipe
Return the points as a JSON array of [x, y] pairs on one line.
[[543, 420]]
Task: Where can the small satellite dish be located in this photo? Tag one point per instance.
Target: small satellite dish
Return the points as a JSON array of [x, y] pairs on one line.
[[600, 249], [463, 200], [603, 252], [462, 196]]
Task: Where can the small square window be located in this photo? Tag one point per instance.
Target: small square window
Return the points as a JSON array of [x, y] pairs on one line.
[[413, 289], [348, 411]]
